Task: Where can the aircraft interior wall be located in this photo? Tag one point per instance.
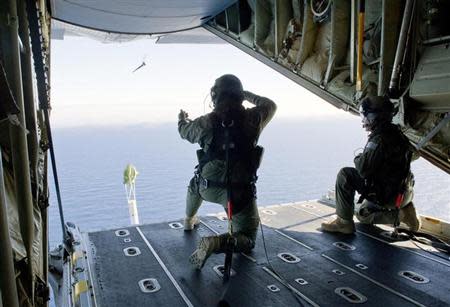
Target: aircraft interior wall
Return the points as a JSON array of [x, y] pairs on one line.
[[321, 47]]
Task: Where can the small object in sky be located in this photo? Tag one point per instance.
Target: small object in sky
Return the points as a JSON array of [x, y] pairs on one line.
[[140, 66]]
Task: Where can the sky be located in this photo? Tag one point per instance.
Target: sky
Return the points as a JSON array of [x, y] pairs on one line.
[[93, 84]]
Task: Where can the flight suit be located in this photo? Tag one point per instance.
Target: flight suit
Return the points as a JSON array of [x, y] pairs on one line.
[[379, 174], [245, 213]]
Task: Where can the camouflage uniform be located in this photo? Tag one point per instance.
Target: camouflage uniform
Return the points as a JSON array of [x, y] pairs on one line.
[[201, 131], [378, 174]]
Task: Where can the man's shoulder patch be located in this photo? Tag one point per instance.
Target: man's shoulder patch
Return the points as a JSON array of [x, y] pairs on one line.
[[371, 145]]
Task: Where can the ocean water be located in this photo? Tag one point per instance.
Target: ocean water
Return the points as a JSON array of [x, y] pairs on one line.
[[301, 161]]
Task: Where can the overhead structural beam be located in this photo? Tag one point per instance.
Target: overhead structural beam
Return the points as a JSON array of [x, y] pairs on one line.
[[437, 40], [335, 101], [433, 132]]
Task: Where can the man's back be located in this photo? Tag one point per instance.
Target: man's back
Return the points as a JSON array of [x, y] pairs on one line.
[[392, 165]]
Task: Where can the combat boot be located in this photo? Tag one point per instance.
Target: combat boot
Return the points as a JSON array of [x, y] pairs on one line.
[[339, 225], [191, 222], [207, 246], [409, 216]]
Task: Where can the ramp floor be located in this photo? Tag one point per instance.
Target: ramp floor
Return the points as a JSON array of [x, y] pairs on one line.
[[148, 265]]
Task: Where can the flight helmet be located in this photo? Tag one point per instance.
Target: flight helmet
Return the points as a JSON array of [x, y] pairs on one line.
[[375, 111], [227, 92]]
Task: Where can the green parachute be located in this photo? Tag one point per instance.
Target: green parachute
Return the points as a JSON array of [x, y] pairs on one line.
[[129, 174], [129, 181]]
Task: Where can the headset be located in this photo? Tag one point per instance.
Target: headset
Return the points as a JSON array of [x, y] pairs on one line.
[[213, 94]]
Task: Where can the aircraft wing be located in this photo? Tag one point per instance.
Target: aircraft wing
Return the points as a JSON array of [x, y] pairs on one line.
[[137, 16]]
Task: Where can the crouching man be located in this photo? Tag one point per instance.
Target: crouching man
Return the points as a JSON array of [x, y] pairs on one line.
[[381, 175]]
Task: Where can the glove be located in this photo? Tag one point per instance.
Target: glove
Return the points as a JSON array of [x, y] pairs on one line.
[[183, 115]]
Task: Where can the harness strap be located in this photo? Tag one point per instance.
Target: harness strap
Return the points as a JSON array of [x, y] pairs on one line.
[[206, 183], [373, 208], [231, 240]]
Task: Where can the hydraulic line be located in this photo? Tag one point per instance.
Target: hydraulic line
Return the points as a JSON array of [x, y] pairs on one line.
[[401, 46]]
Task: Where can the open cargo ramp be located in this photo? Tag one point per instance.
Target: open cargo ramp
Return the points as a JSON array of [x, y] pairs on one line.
[[148, 265]]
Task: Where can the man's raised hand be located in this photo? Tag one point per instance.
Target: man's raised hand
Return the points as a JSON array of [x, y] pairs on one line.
[[183, 115]]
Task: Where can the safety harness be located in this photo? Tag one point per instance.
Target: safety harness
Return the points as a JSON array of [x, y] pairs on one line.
[[374, 201], [231, 240], [230, 144]]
